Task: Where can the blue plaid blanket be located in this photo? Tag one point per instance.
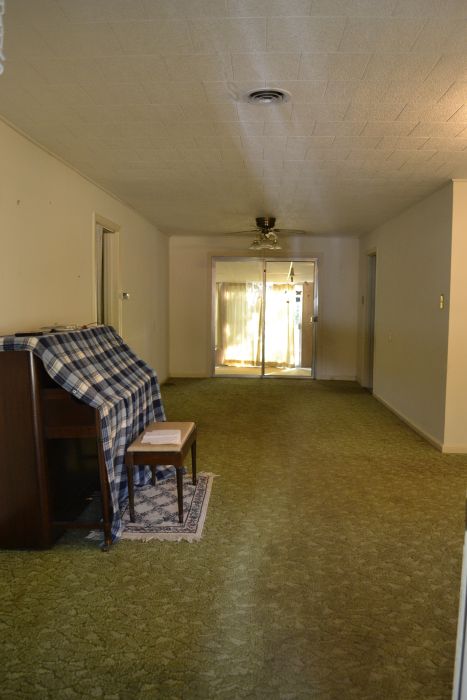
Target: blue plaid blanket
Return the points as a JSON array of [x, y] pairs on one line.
[[96, 366]]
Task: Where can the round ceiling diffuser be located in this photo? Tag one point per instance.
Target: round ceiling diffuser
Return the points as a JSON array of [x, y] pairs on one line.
[[267, 96]]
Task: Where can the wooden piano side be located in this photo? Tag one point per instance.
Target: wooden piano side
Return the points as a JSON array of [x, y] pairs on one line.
[[40, 411]]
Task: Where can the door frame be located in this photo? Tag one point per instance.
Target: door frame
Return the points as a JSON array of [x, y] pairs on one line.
[[114, 290], [264, 260], [369, 320]]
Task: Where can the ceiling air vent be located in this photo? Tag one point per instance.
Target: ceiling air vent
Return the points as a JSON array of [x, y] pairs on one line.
[[267, 96]]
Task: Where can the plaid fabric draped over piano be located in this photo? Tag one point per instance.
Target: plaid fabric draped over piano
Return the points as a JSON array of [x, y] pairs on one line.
[[97, 366]]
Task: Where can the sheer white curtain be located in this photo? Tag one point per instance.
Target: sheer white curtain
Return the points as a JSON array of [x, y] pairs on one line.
[[279, 329], [239, 321]]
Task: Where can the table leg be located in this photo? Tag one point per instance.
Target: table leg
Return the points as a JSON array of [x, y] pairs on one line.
[[179, 471], [193, 463]]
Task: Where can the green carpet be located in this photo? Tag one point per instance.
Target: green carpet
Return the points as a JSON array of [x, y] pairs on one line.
[[329, 566]]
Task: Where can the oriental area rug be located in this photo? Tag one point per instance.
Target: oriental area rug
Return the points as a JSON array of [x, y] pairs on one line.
[[156, 511]]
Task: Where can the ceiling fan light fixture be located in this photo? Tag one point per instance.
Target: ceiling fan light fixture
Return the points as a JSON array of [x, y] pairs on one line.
[[265, 244]]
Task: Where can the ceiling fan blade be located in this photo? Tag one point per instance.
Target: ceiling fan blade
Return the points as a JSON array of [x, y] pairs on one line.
[[246, 233], [290, 231]]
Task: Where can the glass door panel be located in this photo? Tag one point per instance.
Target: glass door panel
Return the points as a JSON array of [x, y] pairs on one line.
[[238, 317], [289, 314]]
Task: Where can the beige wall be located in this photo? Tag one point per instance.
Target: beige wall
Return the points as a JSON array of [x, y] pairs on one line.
[[190, 300], [411, 332], [456, 390], [47, 213]]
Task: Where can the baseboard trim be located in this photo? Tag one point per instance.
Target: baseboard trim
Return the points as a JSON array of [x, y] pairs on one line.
[[416, 428], [454, 449]]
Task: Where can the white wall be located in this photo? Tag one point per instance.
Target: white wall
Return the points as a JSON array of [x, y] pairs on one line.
[[47, 213], [190, 300], [411, 332]]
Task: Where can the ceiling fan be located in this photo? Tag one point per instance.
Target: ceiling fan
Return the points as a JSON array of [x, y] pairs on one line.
[[266, 231]]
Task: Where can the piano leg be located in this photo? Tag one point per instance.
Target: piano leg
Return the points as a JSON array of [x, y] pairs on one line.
[[105, 492]]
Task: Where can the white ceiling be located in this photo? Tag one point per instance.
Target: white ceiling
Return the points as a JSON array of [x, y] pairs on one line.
[[145, 98]]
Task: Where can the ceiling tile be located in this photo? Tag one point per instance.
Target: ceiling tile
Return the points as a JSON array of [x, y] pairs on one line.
[[442, 34], [174, 92], [377, 112], [449, 67], [428, 113], [266, 8], [305, 33], [117, 94], [152, 37], [356, 142], [211, 66], [102, 10], [396, 67], [265, 66], [374, 92], [140, 68], [302, 91], [419, 8], [83, 40], [379, 8], [446, 144], [333, 66], [402, 142], [406, 155], [456, 95], [220, 142], [21, 72], [380, 34], [338, 128], [156, 9], [238, 128], [215, 112], [52, 95], [229, 34], [393, 128], [297, 148], [320, 112], [443, 129], [288, 129], [460, 115], [264, 113], [221, 91], [37, 14], [22, 41]]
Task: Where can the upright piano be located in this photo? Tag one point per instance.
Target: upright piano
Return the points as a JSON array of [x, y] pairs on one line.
[[69, 405]]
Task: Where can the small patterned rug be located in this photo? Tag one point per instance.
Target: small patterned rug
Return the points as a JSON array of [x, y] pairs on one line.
[[156, 510]]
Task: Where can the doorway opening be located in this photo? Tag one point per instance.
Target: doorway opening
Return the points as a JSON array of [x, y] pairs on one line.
[[370, 321], [108, 307], [264, 317]]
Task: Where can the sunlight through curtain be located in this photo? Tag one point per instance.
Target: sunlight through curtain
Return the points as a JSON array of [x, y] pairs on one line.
[[239, 311], [239, 320]]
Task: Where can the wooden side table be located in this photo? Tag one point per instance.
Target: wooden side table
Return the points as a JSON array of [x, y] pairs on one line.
[[140, 452]]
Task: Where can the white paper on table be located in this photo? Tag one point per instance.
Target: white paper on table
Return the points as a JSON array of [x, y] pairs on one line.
[[162, 437]]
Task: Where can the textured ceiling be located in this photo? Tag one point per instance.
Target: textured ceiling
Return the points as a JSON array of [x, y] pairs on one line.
[[145, 98]]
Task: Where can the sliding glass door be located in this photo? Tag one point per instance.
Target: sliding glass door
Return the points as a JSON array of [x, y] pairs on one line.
[[263, 317]]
